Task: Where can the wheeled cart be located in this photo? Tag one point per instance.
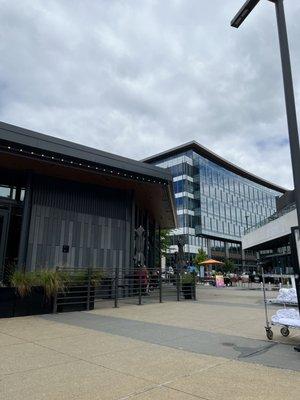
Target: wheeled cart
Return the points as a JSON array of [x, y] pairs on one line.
[[286, 318]]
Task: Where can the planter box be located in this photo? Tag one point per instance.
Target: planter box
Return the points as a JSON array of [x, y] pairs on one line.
[[12, 305], [7, 302], [188, 290], [34, 304]]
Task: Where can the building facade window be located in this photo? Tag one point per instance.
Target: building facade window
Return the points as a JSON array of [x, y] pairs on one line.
[[214, 202]]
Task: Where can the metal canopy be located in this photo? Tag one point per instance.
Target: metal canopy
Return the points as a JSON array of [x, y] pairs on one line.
[[22, 150], [45, 143]]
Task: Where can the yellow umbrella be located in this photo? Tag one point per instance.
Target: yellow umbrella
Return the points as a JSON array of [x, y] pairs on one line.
[[210, 261]]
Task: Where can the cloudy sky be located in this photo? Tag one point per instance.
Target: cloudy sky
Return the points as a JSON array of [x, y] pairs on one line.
[[136, 77]]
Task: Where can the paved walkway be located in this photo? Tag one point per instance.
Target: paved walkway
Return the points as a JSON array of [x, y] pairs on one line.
[[214, 348]]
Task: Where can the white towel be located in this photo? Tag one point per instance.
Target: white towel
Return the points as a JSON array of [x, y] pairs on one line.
[[287, 316], [286, 296]]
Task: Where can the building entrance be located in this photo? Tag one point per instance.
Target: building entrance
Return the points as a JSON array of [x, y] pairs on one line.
[[10, 230]]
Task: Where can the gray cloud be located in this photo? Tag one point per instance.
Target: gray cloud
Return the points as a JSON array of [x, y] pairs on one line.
[[136, 77]]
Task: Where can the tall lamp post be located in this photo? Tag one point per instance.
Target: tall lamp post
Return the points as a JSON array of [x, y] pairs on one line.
[[289, 102]]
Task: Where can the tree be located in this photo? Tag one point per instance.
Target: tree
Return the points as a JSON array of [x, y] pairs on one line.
[[200, 257], [228, 266], [165, 241]]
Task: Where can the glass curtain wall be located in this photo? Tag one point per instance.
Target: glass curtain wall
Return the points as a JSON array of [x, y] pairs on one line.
[[212, 201], [187, 204], [229, 203]]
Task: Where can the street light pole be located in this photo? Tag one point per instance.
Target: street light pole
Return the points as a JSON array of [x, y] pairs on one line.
[[289, 100], [292, 127], [290, 112], [236, 22]]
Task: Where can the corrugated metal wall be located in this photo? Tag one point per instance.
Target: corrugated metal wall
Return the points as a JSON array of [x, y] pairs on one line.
[[94, 222]]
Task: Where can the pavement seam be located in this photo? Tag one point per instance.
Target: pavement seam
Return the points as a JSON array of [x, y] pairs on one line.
[[189, 394], [46, 338], [196, 372], [135, 376], [165, 384], [36, 342], [82, 359], [13, 336], [139, 392], [76, 358], [34, 369]]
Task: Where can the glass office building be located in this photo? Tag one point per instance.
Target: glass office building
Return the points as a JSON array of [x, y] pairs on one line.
[[216, 201]]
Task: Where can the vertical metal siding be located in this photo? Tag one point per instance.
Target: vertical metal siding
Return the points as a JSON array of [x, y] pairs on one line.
[[94, 222]]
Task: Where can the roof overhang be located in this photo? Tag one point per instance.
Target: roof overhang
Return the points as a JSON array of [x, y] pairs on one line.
[[273, 234], [23, 150], [271, 244]]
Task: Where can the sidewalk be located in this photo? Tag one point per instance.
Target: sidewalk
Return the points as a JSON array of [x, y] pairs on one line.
[[211, 349]]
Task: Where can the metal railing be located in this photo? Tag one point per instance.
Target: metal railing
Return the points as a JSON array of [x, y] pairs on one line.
[[87, 288], [272, 217]]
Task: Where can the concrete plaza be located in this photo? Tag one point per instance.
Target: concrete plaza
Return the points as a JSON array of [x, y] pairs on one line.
[[213, 348]]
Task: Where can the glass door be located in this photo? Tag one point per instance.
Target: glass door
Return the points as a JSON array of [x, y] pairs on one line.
[[3, 236]]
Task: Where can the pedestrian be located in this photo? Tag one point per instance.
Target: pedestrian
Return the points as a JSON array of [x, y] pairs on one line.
[[144, 276]]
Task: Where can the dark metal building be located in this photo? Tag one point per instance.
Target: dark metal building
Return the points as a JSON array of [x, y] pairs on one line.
[[63, 204]]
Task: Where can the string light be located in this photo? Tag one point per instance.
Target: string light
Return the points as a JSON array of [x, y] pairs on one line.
[[116, 172]]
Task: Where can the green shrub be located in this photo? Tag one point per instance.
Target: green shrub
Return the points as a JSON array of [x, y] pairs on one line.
[[79, 278], [52, 281], [82, 277], [188, 278], [23, 282], [96, 277]]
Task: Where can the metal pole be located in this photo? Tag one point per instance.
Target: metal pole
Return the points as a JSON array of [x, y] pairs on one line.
[[289, 100], [159, 256], [178, 282], [116, 287], [55, 298], [140, 283], [290, 110], [295, 249], [265, 299], [88, 296]]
